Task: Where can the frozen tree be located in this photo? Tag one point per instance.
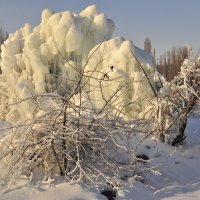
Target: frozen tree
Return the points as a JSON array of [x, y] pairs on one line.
[[48, 59], [176, 103]]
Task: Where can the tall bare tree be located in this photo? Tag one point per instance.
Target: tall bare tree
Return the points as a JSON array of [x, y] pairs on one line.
[[172, 61], [147, 45], [3, 36]]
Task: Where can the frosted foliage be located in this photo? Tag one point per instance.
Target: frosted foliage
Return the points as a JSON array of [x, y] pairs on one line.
[[115, 64], [34, 58]]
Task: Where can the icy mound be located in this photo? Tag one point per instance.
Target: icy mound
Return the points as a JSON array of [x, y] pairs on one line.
[[35, 60], [116, 72], [49, 58]]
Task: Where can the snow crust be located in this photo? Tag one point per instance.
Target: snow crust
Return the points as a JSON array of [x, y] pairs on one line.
[[62, 191]]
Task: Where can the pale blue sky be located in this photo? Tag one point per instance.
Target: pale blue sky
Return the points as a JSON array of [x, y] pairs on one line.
[[167, 22]]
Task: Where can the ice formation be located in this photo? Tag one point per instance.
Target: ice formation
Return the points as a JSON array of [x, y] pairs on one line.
[[33, 60], [115, 64], [39, 60]]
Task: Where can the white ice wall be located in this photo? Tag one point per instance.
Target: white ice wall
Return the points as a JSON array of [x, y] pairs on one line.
[[31, 57], [39, 60]]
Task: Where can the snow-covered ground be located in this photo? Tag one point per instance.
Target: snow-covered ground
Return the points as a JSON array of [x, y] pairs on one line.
[[179, 177]]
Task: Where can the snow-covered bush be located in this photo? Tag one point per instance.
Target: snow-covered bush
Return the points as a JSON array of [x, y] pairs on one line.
[[73, 141], [176, 102], [70, 91], [71, 137]]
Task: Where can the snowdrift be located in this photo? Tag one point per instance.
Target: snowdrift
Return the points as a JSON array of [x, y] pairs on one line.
[[49, 57]]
